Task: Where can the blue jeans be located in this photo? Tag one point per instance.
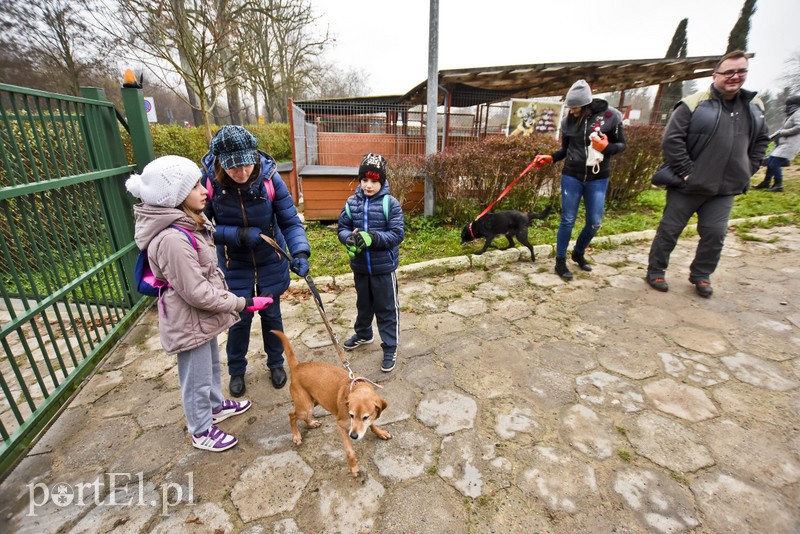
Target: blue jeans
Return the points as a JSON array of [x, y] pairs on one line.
[[593, 193], [239, 339], [775, 169]]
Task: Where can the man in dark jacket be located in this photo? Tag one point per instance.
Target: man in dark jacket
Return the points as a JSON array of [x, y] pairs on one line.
[[715, 140]]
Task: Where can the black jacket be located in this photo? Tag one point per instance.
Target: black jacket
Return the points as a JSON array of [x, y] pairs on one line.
[[575, 140], [719, 152]]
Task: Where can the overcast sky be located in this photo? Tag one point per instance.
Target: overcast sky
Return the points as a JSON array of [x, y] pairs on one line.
[[389, 39]]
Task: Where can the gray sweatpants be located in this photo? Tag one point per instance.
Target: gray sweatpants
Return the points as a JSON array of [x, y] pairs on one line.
[[201, 390], [713, 213]]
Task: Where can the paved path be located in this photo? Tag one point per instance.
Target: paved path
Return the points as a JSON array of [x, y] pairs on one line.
[[520, 404]]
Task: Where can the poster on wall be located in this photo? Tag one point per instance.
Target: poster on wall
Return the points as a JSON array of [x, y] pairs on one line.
[[526, 117]]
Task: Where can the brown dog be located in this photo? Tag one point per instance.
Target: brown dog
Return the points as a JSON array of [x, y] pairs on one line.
[[354, 403]]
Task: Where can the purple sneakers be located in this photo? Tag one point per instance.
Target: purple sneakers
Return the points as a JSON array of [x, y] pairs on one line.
[[214, 440], [230, 408]]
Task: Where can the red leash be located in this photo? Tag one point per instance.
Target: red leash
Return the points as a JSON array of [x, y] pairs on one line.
[[504, 193]]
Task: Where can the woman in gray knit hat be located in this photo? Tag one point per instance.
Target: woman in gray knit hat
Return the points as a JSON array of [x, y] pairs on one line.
[[590, 134]]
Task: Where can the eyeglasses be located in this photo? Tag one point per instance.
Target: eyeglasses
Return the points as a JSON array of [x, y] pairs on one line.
[[728, 74]]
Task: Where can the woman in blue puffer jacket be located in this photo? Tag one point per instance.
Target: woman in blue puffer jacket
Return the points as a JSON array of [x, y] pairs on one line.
[[247, 198]]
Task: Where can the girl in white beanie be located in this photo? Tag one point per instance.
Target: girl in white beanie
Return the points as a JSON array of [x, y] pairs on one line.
[[196, 305]]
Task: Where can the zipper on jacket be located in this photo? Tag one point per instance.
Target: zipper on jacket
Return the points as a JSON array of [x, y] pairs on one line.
[[365, 220]]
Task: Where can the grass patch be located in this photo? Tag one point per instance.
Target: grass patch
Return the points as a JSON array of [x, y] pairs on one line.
[[679, 478], [625, 455], [622, 430]]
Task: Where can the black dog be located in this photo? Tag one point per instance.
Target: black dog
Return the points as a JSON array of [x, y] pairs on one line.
[[509, 223]]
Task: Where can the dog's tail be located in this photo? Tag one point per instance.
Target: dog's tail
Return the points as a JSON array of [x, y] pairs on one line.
[[542, 215], [291, 359]]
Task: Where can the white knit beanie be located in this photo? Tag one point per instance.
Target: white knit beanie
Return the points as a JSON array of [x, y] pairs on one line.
[[165, 181], [579, 95]]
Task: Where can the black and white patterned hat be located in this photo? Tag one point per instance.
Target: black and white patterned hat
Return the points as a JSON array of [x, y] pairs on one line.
[[373, 166]]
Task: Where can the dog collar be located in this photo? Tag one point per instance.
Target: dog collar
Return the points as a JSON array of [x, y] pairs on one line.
[[363, 379]]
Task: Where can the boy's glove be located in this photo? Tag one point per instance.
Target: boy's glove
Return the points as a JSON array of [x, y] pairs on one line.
[[365, 239], [599, 141], [350, 245], [540, 161], [249, 236], [299, 265], [254, 304]]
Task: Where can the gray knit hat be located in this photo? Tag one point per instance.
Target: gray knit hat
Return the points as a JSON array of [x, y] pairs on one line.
[[165, 181], [579, 95]]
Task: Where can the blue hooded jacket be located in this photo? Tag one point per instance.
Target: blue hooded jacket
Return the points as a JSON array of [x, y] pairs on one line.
[[368, 216], [249, 205]]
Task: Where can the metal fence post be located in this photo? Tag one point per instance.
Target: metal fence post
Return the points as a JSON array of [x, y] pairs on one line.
[[139, 126], [106, 146]]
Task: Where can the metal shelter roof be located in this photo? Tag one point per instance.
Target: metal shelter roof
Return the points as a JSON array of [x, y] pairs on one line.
[[469, 87], [490, 84]]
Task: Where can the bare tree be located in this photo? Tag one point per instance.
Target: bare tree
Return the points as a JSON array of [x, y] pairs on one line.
[[53, 35], [340, 83], [279, 52], [791, 72], [186, 37]]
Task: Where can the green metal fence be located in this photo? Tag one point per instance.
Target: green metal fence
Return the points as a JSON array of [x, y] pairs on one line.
[[66, 254]]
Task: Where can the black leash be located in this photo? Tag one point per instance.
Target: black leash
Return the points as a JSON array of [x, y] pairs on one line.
[[318, 302]]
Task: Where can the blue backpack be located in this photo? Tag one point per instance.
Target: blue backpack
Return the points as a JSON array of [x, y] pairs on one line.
[[146, 282]]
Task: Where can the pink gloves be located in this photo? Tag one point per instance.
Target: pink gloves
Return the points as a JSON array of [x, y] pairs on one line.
[[540, 161], [255, 304], [599, 142]]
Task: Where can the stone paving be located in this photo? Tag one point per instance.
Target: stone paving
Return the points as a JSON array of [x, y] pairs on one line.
[[520, 404]]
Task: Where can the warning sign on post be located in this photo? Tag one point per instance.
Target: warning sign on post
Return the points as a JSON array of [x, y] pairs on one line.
[[150, 108]]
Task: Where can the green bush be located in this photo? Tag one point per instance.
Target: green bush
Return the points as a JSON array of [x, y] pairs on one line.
[[273, 138], [468, 178], [172, 139], [631, 170]]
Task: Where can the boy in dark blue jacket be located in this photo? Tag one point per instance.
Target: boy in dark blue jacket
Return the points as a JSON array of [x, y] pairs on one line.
[[371, 227]]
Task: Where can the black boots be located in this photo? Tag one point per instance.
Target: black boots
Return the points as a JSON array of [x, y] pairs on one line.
[[581, 261], [762, 185], [777, 188], [562, 270]]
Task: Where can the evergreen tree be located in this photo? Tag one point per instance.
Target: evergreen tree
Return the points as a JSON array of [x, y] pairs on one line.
[[737, 40], [669, 94]]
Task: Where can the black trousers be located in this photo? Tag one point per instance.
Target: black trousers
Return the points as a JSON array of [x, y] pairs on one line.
[[712, 212], [376, 296]]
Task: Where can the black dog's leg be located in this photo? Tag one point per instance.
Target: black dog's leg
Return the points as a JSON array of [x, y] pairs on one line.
[[485, 245], [510, 238], [523, 238]]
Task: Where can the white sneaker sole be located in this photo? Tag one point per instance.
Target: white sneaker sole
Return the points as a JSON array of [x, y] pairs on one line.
[[203, 446]]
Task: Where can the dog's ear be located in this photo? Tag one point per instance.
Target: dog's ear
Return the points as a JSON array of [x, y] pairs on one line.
[[379, 408]]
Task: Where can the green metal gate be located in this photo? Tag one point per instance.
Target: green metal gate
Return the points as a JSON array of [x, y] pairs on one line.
[[66, 254]]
